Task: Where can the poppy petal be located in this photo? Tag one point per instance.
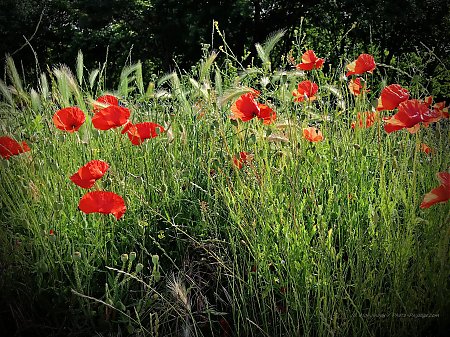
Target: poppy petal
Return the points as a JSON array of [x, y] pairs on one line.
[[87, 175], [425, 148], [139, 132], [312, 134], [310, 61], [436, 195], [69, 119], [102, 202], [410, 114], [266, 114], [391, 96], [305, 91], [305, 66], [105, 101], [245, 108], [355, 86], [110, 117], [10, 147], [444, 178], [365, 119], [364, 63], [244, 158]]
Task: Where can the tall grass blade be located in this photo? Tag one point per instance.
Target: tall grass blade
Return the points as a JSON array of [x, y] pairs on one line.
[[80, 67], [125, 79], [35, 100], [6, 93], [14, 75], [272, 40], [92, 77], [261, 53], [218, 82], [139, 78], [205, 67], [43, 86]]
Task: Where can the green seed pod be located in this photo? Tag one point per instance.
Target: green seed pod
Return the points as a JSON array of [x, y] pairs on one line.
[[124, 258], [155, 260], [139, 267], [132, 256]]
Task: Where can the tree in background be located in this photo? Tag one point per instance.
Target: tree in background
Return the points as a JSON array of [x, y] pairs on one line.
[[168, 33]]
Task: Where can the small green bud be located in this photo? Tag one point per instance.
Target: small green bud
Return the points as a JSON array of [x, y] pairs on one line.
[[139, 267], [156, 274], [124, 258], [155, 259], [77, 255], [132, 256], [356, 146]]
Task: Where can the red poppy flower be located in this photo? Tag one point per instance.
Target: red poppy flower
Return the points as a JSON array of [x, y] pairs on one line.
[[391, 96], [364, 63], [310, 61], [410, 114], [305, 91], [425, 148], [110, 117], [246, 108], [102, 202], [244, 158], [428, 100], [69, 119], [365, 119], [10, 147], [90, 173], [266, 114], [139, 132], [355, 86], [313, 134], [441, 109], [105, 101], [438, 194]]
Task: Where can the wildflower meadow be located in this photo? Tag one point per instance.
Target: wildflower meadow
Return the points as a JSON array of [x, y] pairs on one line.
[[307, 199]]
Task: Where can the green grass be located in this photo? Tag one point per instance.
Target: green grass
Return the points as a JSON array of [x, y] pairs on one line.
[[323, 239]]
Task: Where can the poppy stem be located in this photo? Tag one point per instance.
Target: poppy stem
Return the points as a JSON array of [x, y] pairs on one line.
[[380, 155]]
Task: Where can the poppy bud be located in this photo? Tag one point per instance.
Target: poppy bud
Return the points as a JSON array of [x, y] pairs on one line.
[[132, 256], [124, 258], [139, 267], [356, 146], [155, 259], [77, 255], [52, 235], [156, 275]]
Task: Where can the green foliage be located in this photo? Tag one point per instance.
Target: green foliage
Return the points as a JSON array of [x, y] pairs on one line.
[[306, 238], [165, 35]]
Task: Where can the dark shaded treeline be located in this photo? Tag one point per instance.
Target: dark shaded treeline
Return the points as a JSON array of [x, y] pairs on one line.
[[165, 33]]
